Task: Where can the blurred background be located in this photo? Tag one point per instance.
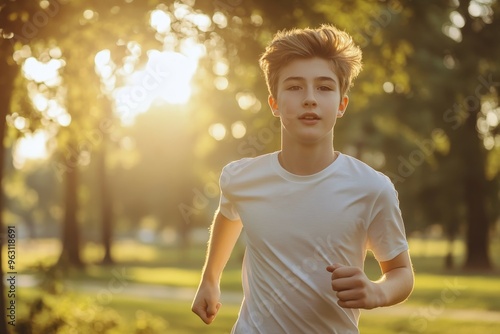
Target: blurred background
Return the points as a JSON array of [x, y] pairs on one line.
[[117, 117]]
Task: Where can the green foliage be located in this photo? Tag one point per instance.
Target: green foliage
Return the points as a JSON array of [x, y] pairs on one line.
[[63, 314], [55, 310]]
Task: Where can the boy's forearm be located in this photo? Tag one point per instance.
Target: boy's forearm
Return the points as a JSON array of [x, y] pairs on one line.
[[223, 236], [395, 286]]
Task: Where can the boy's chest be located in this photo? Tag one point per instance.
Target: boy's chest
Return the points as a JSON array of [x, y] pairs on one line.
[[291, 214]]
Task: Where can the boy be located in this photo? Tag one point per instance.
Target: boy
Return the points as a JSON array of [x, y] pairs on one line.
[[309, 212]]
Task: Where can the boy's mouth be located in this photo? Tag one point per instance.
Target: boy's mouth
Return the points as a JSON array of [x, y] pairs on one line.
[[309, 119], [309, 116]]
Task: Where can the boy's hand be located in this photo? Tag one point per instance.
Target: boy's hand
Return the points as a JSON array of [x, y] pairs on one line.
[[206, 302], [354, 289]]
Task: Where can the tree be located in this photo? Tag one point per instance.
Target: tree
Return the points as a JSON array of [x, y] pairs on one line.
[[459, 74], [14, 21], [478, 33], [9, 71], [90, 110]]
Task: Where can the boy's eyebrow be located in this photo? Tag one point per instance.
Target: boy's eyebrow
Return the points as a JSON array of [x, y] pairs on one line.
[[322, 78], [326, 79]]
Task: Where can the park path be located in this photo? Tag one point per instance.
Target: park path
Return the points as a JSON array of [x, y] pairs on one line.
[[429, 312]]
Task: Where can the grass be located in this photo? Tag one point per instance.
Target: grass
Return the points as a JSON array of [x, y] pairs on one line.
[[459, 292], [178, 319], [371, 324], [178, 316], [149, 264]]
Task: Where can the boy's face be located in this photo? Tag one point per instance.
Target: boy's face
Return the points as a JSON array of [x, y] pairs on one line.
[[308, 101]]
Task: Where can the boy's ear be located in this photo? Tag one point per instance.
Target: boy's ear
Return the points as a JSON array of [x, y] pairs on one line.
[[343, 106], [274, 105]]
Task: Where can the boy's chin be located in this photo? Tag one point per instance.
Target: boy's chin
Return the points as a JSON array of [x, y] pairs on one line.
[[313, 138]]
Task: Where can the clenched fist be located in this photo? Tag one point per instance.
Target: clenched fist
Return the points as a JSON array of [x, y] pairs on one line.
[[354, 289], [206, 302]]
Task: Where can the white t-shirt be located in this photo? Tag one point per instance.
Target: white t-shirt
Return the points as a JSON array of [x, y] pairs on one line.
[[295, 226]]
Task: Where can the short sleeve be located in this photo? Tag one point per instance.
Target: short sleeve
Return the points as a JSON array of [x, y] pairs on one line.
[[386, 232], [226, 207]]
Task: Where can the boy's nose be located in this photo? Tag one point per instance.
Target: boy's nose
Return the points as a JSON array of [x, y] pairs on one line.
[[309, 100]]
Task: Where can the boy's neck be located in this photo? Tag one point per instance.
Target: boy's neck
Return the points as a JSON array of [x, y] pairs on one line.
[[306, 159]]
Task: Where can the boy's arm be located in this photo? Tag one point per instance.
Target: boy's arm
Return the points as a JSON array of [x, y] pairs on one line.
[[355, 290], [223, 236]]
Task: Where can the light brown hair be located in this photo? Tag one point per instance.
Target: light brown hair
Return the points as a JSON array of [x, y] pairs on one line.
[[326, 42]]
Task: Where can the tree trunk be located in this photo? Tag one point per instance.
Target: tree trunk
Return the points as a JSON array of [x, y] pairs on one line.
[[106, 205], [475, 188], [70, 255], [9, 71]]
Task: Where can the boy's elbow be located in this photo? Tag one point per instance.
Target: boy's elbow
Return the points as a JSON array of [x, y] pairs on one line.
[[411, 281], [409, 284]]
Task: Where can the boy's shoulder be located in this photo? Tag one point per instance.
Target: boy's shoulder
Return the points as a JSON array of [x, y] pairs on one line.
[[363, 172], [247, 169], [237, 166]]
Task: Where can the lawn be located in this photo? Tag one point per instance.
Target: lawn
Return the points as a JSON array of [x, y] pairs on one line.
[[436, 291]]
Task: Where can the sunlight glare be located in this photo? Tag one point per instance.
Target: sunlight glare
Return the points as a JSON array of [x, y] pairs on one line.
[[46, 72], [31, 147], [42, 75], [105, 67], [160, 21], [167, 76]]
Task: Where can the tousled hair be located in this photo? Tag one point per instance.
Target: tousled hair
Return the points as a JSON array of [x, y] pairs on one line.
[[326, 42]]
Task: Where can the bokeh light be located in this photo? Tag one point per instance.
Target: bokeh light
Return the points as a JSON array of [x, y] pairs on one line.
[[217, 131]]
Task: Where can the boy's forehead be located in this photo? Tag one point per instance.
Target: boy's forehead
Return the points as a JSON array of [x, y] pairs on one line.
[[309, 68]]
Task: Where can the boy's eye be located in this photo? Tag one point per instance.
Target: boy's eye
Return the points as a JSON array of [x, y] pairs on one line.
[[293, 88], [325, 88]]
